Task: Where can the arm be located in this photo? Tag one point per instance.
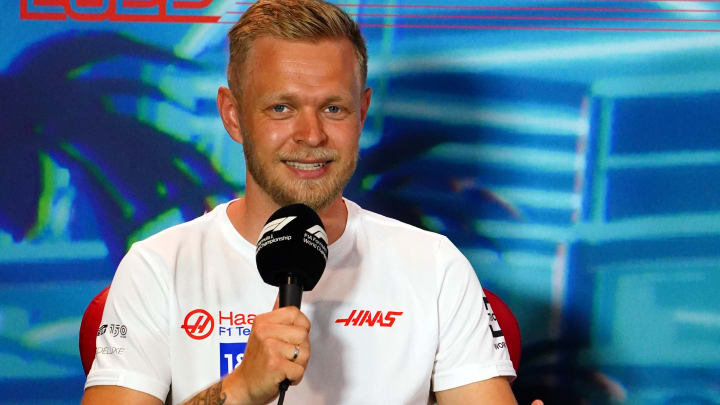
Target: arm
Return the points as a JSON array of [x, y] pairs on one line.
[[142, 373], [113, 394], [470, 365], [268, 361], [492, 391]]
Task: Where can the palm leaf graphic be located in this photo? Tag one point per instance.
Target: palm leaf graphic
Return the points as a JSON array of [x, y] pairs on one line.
[[132, 171], [395, 177]]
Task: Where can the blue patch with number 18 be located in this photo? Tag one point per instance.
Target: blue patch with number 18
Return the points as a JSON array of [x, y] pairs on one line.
[[231, 354]]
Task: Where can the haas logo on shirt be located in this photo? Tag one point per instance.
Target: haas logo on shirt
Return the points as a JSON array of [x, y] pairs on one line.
[[198, 324], [369, 318]]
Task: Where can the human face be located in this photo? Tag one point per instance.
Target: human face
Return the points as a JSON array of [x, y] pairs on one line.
[[301, 111]]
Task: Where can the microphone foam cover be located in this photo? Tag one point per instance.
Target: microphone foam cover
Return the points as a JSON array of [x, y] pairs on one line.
[[293, 240]]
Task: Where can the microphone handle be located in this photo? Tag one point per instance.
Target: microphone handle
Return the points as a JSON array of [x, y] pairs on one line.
[[291, 290]]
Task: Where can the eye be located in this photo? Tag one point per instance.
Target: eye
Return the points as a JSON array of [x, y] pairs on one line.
[[280, 108], [333, 109]]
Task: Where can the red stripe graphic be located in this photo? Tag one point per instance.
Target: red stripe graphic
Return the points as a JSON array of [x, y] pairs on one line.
[[522, 17], [120, 12], [526, 8], [502, 27], [538, 17], [533, 16]]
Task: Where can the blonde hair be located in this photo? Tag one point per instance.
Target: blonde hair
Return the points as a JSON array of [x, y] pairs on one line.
[[302, 20]]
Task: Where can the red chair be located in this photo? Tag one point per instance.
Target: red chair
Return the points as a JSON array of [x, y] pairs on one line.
[[93, 315], [509, 326], [89, 328]]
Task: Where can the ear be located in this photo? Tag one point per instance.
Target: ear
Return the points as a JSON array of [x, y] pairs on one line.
[[365, 105], [227, 106]]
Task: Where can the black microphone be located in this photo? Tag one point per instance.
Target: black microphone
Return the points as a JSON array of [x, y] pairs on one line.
[[291, 254], [292, 251]]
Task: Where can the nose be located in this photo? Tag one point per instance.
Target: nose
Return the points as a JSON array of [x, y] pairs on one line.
[[309, 129]]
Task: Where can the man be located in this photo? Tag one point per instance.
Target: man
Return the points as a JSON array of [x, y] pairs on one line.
[[398, 313]]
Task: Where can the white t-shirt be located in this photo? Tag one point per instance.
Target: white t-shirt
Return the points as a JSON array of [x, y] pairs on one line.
[[397, 313]]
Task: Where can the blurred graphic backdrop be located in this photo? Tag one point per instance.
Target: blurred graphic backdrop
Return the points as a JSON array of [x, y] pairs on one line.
[[571, 149]]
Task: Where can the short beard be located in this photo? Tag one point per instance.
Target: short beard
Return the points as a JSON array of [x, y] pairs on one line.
[[317, 194]]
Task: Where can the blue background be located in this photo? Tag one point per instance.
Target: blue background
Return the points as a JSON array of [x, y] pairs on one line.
[[570, 149]]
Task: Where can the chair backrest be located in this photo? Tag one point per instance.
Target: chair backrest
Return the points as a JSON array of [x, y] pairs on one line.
[[509, 326], [89, 329], [93, 315]]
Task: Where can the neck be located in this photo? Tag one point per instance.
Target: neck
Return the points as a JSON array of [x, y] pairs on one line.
[[249, 214]]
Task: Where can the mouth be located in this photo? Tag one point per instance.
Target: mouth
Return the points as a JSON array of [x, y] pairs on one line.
[[306, 165]]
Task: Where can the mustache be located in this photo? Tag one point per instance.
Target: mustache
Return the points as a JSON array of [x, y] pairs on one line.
[[309, 154]]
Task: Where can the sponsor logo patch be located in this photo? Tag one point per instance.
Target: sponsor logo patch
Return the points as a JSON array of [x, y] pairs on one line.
[[109, 350], [113, 329], [235, 324], [231, 354], [494, 326], [496, 332], [198, 324], [369, 318]]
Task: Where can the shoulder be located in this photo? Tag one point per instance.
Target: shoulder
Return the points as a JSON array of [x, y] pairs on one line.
[[165, 245], [390, 230], [191, 229]]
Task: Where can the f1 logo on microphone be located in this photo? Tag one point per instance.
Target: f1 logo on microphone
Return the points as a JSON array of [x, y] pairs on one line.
[[318, 232], [275, 225]]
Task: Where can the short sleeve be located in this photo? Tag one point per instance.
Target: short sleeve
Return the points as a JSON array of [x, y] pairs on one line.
[[132, 344], [467, 351]]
